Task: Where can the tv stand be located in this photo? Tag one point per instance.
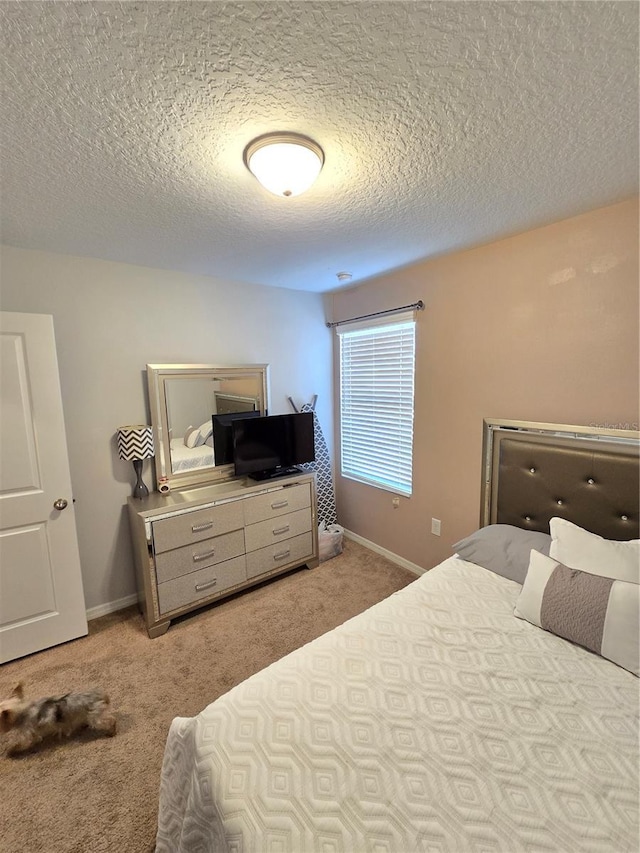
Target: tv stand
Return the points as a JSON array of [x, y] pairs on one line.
[[274, 473]]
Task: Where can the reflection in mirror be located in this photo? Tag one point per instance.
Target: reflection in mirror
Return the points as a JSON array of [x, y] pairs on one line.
[[190, 406], [184, 399]]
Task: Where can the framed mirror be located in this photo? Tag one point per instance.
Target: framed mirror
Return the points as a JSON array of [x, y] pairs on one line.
[[184, 398]]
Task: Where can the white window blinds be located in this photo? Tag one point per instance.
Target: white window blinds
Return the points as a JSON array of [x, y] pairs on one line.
[[377, 364]]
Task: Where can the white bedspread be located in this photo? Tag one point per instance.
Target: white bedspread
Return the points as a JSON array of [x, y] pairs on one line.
[[435, 721], [185, 458]]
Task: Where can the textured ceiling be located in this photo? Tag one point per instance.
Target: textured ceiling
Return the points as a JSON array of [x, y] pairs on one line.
[[444, 125]]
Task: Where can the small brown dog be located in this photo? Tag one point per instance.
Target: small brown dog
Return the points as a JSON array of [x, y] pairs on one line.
[[32, 721]]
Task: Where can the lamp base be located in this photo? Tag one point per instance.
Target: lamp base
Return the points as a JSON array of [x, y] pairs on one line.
[[139, 490]]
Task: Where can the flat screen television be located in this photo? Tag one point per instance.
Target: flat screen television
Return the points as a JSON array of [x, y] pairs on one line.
[[273, 445], [223, 435]]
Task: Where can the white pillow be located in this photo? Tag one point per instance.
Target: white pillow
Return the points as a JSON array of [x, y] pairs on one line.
[[191, 437], [597, 612], [205, 431], [579, 549]]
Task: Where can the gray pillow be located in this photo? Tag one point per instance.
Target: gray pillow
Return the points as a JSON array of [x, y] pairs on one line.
[[503, 549]]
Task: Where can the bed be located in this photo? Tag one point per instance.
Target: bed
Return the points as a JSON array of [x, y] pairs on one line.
[[438, 720], [185, 458]]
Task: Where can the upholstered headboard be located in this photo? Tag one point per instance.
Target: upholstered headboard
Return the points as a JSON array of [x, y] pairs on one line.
[[589, 476]]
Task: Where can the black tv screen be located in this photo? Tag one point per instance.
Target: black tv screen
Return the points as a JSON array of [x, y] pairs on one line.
[[223, 435], [273, 445]]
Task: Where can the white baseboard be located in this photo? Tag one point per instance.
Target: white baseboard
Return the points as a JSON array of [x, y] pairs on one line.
[[111, 606], [393, 558]]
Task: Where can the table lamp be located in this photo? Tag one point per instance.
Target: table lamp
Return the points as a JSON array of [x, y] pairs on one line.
[[135, 443]]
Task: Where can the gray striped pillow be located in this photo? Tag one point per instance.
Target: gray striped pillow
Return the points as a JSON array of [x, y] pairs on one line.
[[599, 613]]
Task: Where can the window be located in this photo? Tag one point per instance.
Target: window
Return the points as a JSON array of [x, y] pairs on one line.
[[377, 365]]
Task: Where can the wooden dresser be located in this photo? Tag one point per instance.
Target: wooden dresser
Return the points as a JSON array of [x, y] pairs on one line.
[[197, 545]]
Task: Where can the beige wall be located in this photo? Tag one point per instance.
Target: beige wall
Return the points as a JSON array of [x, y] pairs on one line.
[[112, 319], [542, 326]]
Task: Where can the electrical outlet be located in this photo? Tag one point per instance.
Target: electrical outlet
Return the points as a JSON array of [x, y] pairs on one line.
[[435, 526], [395, 502]]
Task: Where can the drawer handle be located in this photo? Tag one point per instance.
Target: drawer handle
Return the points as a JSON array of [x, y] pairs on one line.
[[282, 555], [198, 528], [201, 586], [198, 557], [279, 504], [280, 530]]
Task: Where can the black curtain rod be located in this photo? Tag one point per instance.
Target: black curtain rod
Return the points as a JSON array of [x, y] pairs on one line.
[[418, 306]]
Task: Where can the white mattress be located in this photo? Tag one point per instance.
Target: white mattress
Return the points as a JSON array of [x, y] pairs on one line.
[[184, 458], [435, 721]]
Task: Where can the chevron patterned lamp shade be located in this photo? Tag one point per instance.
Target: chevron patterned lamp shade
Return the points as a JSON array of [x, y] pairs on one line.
[[135, 443]]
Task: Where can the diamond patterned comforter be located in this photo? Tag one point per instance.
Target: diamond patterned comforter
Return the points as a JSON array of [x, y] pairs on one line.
[[434, 721]]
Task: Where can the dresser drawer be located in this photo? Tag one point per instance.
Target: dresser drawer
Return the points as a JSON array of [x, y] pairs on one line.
[[280, 502], [190, 558], [198, 586], [197, 546], [276, 529], [280, 554], [195, 526]]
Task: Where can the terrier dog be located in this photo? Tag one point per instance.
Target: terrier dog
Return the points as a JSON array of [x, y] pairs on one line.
[[32, 721]]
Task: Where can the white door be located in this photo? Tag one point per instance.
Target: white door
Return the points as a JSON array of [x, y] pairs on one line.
[[41, 596]]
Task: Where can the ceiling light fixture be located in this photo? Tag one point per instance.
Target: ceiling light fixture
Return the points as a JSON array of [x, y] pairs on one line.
[[286, 164]]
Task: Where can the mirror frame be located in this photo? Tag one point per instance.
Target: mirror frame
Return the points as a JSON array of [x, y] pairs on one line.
[[157, 374]]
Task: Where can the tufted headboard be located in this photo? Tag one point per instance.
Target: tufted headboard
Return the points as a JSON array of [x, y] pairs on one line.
[[589, 476]]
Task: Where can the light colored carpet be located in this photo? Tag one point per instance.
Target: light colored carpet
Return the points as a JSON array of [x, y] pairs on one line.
[[96, 795]]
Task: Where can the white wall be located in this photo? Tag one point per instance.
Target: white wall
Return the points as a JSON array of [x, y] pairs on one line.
[[110, 321]]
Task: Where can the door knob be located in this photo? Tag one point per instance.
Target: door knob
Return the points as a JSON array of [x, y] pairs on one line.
[[60, 504]]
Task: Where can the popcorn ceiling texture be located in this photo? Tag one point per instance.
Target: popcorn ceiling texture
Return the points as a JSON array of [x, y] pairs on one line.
[[444, 125]]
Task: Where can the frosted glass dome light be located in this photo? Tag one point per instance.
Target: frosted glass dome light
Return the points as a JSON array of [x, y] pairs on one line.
[[286, 164]]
